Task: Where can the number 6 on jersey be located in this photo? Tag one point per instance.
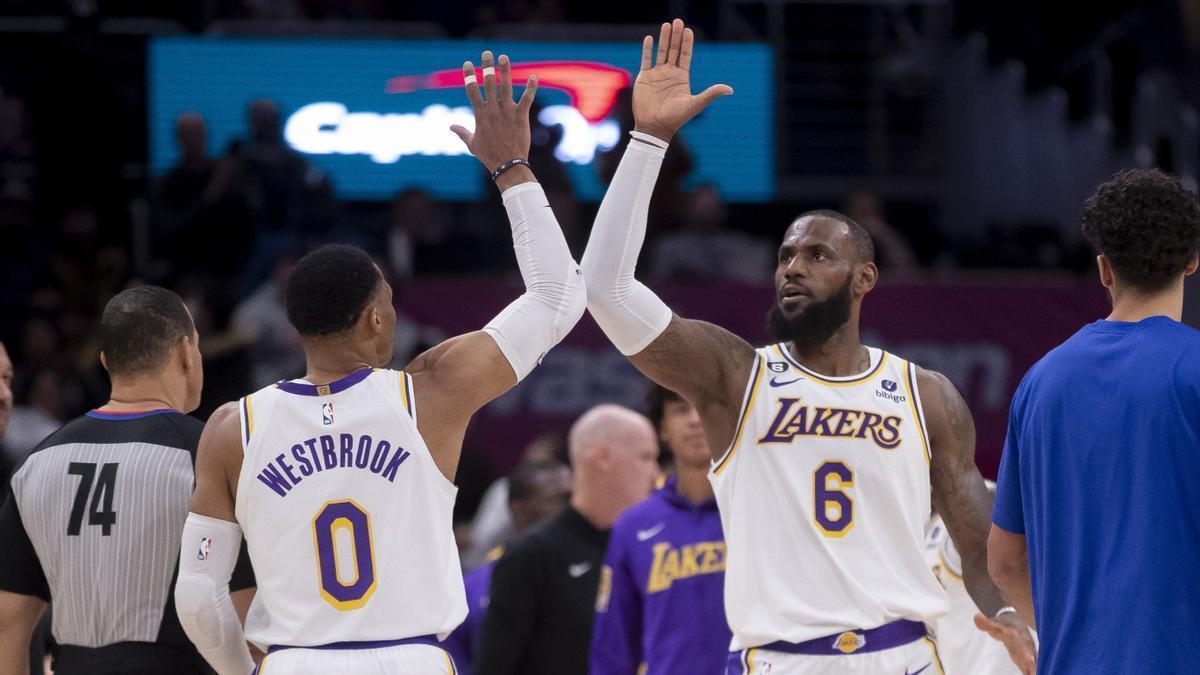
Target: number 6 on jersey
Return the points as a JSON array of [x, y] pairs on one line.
[[341, 592], [833, 509]]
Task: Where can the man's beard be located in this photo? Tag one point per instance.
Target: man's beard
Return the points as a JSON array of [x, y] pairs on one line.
[[814, 325]]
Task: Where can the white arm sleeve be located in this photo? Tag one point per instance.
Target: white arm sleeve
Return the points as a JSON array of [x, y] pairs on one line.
[[630, 314], [207, 556], [554, 297]]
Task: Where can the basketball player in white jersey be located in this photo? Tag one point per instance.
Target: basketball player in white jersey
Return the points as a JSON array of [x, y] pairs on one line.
[[826, 451], [343, 482], [963, 647]]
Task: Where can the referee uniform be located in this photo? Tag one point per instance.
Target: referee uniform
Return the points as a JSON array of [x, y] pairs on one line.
[[93, 526]]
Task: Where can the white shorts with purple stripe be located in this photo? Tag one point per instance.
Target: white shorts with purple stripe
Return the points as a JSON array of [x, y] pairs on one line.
[[406, 658], [892, 649]]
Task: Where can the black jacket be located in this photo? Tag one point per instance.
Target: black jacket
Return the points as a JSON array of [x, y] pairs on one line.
[[542, 600]]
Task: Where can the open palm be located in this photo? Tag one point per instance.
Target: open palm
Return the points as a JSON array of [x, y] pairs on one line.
[[662, 94]]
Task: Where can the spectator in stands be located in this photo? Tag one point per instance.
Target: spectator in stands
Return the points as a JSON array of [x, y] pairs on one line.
[[201, 207], [6, 404], [493, 524], [228, 365], [179, 195], [538, 490], [40, 413], [705, 249], [38, 663], [892, 250], [15, 141], [87, 267], [287, 191], [261, 319], [418, 240], [543, 591]]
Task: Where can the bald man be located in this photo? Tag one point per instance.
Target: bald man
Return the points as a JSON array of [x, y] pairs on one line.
[[544, 588]]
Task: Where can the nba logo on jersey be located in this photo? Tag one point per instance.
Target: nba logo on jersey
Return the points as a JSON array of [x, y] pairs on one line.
[[327, 413], [205, 548]]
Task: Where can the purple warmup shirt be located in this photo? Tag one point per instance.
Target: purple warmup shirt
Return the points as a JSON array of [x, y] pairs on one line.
[[661, 600], [463, 643]]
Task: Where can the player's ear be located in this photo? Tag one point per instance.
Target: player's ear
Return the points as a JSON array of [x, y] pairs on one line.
[[373, 319], [1107, 277], [1191, 267], [185, 350], [103, 361], [865, 278]]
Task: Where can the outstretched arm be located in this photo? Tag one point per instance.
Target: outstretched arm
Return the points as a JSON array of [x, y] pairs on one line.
[[459, 376], [706, 364], [962, 500]]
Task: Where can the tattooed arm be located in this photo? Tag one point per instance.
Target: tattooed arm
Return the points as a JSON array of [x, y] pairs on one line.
[[962, 500]]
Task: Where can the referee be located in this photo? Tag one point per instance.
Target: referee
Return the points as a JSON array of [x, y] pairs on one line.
[[96, 511]]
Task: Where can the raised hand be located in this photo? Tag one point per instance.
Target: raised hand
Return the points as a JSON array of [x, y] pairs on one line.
[[1012, 631], [662, 94], [501, 125]]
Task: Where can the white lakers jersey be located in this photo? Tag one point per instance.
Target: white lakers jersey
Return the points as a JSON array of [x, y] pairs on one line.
[[824, 495], [963, 647], [347, 518]]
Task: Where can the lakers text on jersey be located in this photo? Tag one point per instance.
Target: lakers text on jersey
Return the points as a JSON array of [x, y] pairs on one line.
[[824, 495]]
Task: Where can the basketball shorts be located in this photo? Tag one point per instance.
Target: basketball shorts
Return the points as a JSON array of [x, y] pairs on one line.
[[404, 659], [898, 648]]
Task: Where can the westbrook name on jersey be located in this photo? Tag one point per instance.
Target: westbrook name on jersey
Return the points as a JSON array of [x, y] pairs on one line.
[[346, 516], [325, 453], [824, 496]]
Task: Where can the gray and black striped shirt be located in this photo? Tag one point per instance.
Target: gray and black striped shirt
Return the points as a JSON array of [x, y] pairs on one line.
[[93, 524]]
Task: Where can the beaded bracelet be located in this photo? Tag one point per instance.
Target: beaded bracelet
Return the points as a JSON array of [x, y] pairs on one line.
[[508, 165]]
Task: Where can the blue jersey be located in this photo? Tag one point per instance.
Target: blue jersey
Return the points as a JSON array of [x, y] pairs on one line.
[[463, 643], [1101, 473], [660, 606]]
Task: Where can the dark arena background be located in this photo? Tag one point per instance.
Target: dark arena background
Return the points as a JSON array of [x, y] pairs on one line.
[[205, 145]]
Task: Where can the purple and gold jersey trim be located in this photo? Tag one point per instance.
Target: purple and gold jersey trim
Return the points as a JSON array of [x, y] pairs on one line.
[[247, 419], [831, 381], [747, 406], [406, 394], [937, 658], [305, 389], [910, 383]]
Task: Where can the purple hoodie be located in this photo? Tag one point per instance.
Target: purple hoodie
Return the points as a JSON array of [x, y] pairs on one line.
[[463, 643], [661, 605]]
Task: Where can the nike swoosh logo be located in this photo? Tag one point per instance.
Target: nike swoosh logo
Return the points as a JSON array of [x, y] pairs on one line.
[[579, 569], [917, 672], [784, 384], [643, 535]]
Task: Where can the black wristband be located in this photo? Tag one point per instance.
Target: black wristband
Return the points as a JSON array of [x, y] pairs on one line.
[[508, 165]]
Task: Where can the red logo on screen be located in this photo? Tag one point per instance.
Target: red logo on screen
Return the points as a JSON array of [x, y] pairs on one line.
[[592, 87]]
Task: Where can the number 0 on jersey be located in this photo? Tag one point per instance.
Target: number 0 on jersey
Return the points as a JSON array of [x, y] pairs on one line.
[[338, 590]]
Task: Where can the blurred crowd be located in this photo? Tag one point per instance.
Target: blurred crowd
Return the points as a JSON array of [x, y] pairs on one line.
[[79, 221], [225, 232]]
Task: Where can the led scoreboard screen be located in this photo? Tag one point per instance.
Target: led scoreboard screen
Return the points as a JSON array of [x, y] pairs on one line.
[[376, 115]]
